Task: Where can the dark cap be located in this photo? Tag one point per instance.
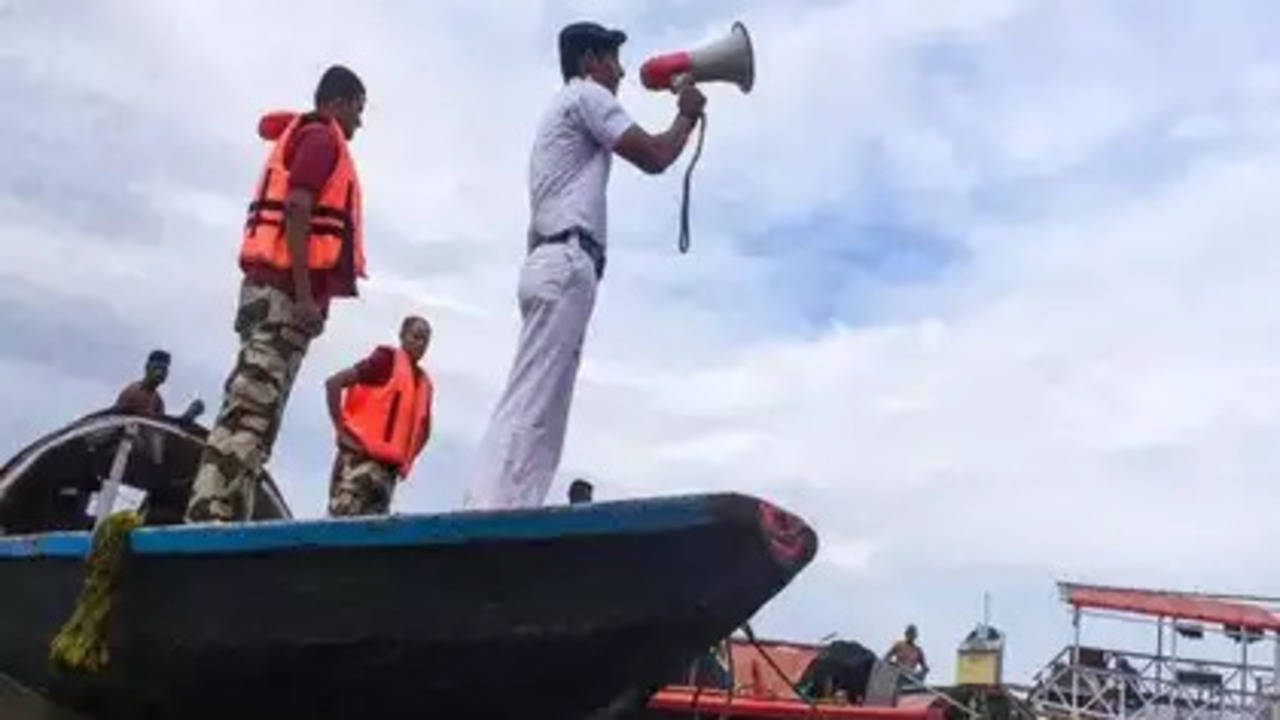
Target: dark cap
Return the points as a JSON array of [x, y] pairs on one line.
[[591, 35]]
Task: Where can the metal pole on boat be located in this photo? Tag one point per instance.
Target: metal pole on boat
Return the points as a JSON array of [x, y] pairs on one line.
[[111, 488], [1075, 662], [1159, 651], [1244, 664], [1275, 678]]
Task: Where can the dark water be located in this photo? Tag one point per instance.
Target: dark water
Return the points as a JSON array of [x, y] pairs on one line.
[[19, 703]]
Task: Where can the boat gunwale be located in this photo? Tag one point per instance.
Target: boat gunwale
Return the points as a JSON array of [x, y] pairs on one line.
[[454, 528], [17, 467]]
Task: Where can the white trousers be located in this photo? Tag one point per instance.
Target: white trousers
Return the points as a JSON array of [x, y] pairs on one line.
[[520, 451]]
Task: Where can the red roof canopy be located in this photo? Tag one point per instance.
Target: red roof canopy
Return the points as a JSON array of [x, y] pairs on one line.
[[1172, 605]]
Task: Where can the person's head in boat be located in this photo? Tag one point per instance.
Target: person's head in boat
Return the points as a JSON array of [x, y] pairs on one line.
[[340, 95], [415, 336], [156, 370], [580, 491]]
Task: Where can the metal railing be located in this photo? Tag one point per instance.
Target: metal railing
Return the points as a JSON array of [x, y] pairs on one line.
[[1120, 684]]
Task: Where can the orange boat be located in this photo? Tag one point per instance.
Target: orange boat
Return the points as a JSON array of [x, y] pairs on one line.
[[762, 680]]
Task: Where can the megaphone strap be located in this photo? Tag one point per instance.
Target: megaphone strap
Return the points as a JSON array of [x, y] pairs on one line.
[[683, 243]]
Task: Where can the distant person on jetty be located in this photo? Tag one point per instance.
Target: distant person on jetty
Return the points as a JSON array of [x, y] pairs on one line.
[[907, 656], [302, 246], [381, 424], [568, 173]]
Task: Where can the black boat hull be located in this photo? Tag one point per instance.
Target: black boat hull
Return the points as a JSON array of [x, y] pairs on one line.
[[550, 613]]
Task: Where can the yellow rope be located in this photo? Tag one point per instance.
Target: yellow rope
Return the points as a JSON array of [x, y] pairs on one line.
[[81, 644]]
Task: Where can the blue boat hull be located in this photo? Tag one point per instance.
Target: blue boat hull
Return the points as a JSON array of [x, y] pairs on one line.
[[548, 613]]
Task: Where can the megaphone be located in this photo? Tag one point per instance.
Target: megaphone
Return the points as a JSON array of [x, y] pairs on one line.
[[727, 59]]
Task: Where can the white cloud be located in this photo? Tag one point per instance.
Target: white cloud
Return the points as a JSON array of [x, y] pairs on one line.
[[847, 555]]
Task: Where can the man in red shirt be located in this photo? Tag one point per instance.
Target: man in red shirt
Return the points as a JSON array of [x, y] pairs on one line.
[[302, 246], [382, 424]]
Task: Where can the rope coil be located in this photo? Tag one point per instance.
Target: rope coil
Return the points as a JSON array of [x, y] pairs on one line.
[[81, 643]]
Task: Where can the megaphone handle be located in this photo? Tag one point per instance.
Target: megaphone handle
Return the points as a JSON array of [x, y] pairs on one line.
[[683, 243], [680, 82]]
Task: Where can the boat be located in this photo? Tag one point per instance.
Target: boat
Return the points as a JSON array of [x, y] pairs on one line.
[[555, 612], [759, 678], [678, 703], [52, 483]]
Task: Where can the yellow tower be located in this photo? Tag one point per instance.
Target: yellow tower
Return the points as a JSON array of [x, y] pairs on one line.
[[980, 658]]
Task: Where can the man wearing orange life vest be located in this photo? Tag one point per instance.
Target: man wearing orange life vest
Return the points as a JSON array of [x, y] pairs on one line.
[[382, 424], [302, 246]]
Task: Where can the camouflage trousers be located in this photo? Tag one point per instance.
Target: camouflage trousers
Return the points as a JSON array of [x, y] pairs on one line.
[[360, 485], [271, 351]]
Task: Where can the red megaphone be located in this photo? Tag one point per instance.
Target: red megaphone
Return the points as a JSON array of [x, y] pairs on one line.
[[729, 58]]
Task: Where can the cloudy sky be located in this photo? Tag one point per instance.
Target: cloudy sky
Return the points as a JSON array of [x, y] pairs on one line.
[[985, 291]]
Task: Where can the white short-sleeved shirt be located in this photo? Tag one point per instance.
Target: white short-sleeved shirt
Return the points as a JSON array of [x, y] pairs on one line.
[[569, 165]]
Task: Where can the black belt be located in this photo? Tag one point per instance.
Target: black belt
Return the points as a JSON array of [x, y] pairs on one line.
[[593, 249]]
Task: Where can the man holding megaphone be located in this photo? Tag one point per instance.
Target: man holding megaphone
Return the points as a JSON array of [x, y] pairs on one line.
[[568, 175]]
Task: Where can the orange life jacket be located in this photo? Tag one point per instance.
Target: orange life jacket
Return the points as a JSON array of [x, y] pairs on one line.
[[391, 420], [336, 226]]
